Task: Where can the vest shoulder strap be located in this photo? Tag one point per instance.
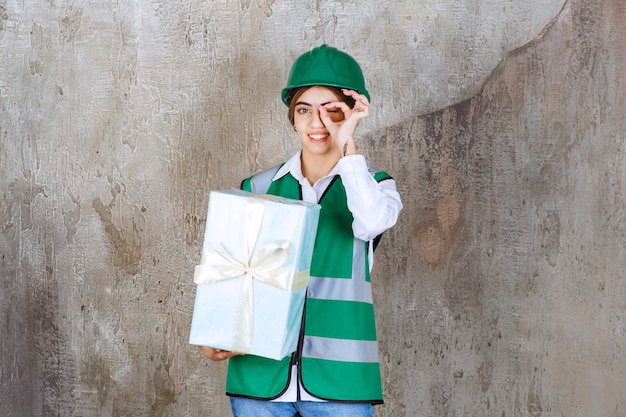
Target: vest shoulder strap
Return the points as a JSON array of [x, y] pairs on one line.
[[259, 183]]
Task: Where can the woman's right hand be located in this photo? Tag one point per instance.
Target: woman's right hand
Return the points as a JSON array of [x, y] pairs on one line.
[[343, 131], [217, 354]]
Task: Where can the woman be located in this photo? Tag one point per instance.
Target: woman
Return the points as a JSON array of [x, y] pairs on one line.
[[335, 370]]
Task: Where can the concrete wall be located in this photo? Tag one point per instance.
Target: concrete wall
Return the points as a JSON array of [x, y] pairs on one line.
[[501, 290]]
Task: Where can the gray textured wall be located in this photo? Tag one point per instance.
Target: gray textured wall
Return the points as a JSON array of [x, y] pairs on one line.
[[501, 290]]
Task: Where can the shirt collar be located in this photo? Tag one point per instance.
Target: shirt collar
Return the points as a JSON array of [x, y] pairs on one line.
[[294, 166], [291, 166]]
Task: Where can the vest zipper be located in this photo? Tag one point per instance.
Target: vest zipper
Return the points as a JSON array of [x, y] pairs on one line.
[[297, 357]]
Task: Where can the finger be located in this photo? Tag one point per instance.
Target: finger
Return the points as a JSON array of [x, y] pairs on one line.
[[355, 95], [359, 111], [220, 356], [361, 108], [208, 352], [336, 105], [216, 354], [363, 111], [334, 113]]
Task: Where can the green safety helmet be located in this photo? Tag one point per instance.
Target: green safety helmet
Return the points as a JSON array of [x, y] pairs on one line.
[[325, 66]]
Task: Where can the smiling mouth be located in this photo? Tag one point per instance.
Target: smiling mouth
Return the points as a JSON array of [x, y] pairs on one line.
[[319, 138]]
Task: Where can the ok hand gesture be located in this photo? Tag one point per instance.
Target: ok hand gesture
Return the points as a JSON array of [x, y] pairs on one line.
[[342, 129]]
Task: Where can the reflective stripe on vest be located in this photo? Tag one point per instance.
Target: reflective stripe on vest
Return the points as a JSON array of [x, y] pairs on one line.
[[340, 289], [340, 349], [355, 289], [261, 182]]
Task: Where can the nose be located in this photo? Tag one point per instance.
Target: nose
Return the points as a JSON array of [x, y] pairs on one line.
[[316, 121]]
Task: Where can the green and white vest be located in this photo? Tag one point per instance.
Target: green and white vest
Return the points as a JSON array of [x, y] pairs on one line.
[[337, 354]]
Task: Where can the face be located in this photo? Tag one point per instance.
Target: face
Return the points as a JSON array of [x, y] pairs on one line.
[[311, 130]]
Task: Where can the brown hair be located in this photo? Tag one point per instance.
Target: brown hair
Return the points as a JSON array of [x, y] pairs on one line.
[[294, 94]]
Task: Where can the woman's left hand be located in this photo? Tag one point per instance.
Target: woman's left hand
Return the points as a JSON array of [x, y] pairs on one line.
[[217, 354], [342, 130]]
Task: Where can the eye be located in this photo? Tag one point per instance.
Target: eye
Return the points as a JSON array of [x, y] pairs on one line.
[[302, 110], [330, 109]]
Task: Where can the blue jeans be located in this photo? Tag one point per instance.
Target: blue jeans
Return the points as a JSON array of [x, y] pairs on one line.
[[245, 407]]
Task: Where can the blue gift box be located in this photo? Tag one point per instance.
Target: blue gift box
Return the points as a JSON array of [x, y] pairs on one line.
[[251, 282]]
